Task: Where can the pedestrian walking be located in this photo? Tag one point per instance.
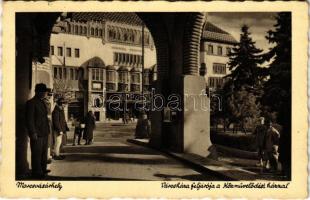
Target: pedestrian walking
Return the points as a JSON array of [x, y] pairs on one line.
[[271, 146], [38, 130], [260, 134], [143, 127], [59, 127], [90, 125]]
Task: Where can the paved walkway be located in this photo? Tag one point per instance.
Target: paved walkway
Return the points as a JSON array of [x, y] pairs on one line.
[[225, 166], [111, 157]]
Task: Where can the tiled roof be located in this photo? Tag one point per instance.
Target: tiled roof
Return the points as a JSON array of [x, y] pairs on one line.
[[214, 33], [121, 17]]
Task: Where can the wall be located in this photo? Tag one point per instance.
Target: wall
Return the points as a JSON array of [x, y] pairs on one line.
[[209, 59], [92, 47]]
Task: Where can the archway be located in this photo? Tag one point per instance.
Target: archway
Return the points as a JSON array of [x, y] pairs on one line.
[[177, 40]]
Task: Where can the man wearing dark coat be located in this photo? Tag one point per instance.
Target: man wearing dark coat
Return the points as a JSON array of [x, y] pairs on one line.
[[59, 126], [260, 133], [90, 124], [143, 127], [38, 129]]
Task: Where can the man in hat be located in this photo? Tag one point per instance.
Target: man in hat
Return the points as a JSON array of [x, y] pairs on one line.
[[60, 126], [260, 133], [38, 129]]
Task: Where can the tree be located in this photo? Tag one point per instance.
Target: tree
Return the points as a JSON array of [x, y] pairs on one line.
[[240, 100], [244, 61], [278, 88], [243, 108]]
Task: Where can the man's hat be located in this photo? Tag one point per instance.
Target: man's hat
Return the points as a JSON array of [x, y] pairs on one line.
[[41, 87]]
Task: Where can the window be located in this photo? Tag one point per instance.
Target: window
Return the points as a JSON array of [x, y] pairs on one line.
[[219, 68], [92, 31], [76, 74], [55, 72], [228, 50], [77, 53], [110, 86], [68, 52], [100, 75], [219, 50], [71, 74], [100, 32], [215, 82], [135, 78], [96, 74], [59, 49], [60, 73], [76, 30], [52, 50], [96, 32], [81, 30], [85, 30], [110, 76], [115, 58], [122, 77], [210, 49], [93, 74], [69, 28]]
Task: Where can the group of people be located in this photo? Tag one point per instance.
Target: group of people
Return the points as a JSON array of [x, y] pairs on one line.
[[47, 130], [84, 129], [267, 141]]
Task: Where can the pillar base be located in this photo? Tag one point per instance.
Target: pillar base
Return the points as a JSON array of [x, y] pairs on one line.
[[196, 115]]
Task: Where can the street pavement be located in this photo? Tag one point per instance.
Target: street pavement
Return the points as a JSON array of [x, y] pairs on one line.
[[111, 157]]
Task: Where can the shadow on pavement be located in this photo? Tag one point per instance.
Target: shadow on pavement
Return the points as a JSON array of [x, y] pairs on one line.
[[108, 149], [111, 159], [192, 177]]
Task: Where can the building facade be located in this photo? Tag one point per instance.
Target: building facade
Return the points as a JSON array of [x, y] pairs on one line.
[[214, 49], [94, 56]]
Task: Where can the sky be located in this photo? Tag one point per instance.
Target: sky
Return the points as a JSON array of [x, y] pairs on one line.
[[259, 23]]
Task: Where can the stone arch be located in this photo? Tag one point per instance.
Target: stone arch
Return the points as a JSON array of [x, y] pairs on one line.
[[192, 34]]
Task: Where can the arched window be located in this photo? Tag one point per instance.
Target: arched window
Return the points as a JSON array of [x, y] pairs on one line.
[[76, 29], [118, 35], [100, 32], [81, 30], [69, 28], [125, 37], [85, 30], [92, 31], [96, 32]]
